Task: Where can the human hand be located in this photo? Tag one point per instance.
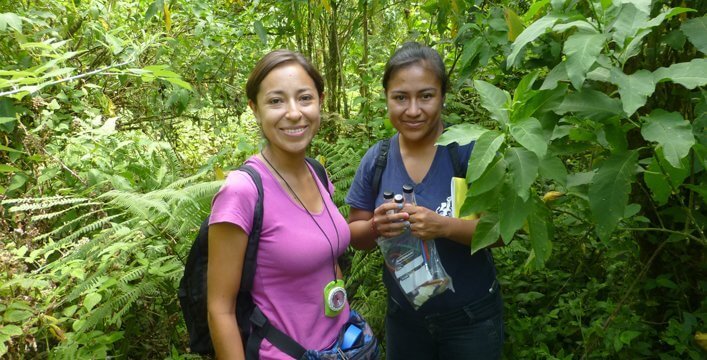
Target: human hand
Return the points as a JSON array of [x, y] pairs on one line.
[[387, 221], [426, 224]]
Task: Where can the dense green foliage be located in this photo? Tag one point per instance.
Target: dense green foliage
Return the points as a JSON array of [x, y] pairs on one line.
[[118, 119]]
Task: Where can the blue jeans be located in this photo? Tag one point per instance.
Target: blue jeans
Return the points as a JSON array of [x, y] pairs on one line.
[[474, 331]]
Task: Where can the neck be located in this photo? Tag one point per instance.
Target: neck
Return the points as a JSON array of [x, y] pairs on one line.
[[423, 145], [286, 163]]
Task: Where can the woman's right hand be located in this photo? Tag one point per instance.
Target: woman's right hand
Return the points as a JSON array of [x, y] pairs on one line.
[[389, 221]]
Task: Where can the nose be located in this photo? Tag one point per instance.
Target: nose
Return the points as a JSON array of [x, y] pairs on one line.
[[293, 110], [413, 109]]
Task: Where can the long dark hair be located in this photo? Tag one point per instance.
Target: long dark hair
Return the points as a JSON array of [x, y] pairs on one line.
[[411, 53]]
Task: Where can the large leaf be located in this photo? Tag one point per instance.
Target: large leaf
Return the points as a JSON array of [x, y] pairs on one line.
[[557, 74], [514, 23], [582, 51], [461, 133], [484, 152], [529, 133], [671, 132], [512, 211], [634, 89], [487, 233], [528, 35], [695, 30], [541, 231], [10, 20], [260, 30], [495, 100], [522, 169], [688, 74], [609, 190], [553, 168], [662, 178], [490, 179], [627, 23], [590, 103]]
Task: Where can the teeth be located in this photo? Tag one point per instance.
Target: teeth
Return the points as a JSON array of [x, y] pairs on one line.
[[294, 131]]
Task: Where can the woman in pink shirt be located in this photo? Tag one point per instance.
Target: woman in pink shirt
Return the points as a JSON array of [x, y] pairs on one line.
[[303, 234]]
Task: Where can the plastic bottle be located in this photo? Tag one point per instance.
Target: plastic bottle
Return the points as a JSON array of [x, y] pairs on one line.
[[388, 197], [409, 194]]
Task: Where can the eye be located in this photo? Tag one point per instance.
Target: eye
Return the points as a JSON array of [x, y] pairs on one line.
[[427, 96], [307, 97], [399, 97], [274, 101]]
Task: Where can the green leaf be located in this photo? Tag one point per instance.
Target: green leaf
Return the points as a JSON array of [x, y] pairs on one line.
[[557, 74], [532, 32], [671, 132], [590, 103], [9, 149], [16, 315], [628, 22], [11, 330], [512, 212], [490, 179], [582, 51], [634, 89], [553, 168], [495, 100], [461, 133], [484, 152], [522, 170], [11, 20], [4, 168], [524, 89], [529, 133], [695, 30], [688, 74], [609, 190], [487, 233], [179, 82], [540, 230], [260, 30], [91, 300], [154, 8]]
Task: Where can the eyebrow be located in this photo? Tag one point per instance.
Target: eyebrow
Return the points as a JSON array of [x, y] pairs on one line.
[[420, 91], [280, 92]]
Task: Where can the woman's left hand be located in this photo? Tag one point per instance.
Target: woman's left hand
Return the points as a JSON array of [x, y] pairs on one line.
[[425, 223]]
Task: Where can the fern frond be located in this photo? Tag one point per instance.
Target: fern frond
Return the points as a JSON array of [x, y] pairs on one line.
[[76, 234], [66, 225], [61, 212], [135, 203], [30, 204]]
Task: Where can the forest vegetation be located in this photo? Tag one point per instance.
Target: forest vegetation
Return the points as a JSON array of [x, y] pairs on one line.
[[119, 119]]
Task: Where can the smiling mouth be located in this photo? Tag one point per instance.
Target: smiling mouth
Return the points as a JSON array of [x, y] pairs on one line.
[[295, 131]]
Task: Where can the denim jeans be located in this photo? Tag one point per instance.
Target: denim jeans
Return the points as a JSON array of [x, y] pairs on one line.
[[474, 331]]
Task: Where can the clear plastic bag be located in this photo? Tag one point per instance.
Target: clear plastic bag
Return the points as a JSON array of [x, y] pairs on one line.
[[415, 266]]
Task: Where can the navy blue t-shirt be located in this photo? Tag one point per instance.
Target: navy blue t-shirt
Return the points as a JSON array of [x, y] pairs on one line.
[[472, 276]]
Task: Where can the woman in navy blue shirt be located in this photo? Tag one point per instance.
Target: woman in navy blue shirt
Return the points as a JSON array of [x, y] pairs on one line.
[[461, 324]]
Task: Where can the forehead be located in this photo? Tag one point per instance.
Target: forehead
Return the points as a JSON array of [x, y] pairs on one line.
[[287, 76], [414, 77]]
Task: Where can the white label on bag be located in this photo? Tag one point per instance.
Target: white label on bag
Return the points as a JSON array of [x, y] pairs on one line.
[[413, 275]]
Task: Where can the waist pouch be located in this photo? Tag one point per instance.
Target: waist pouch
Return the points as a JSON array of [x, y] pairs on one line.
[[355, 342]]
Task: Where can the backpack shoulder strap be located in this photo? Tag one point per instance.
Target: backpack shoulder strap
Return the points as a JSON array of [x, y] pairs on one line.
[[252, 249], [453, 149], [381, 162], [320, 171]]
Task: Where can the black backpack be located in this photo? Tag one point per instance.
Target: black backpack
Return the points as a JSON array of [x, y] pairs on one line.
[[192, 286]]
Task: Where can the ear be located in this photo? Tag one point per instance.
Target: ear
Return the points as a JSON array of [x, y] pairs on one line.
[[254, 108]]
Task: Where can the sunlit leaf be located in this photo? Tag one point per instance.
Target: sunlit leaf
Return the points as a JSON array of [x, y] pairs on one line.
[[461, 133], [695, 30], [532, 32], [487, 233], [10, 20], [522, 170], [495, 100], [484, 152], [609, 190], [688, 74], [582, 51], [512, 211], [634, 89], [529, 133], [514, 23], [590, 103], [671, 132], [260, 30]]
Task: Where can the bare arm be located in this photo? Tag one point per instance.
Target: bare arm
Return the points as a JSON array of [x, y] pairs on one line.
[[227, 246], [366, 226]]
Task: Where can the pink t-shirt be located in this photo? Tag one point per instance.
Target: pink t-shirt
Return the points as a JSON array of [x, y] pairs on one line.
[[294, 261]]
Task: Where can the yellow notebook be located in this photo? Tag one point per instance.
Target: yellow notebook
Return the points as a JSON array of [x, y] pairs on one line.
[[459, 189]]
